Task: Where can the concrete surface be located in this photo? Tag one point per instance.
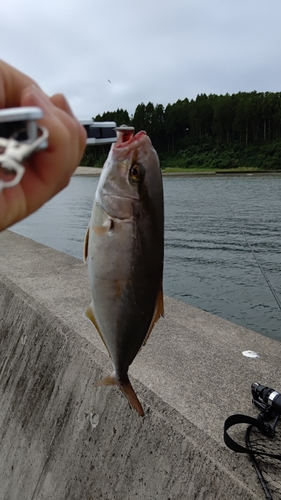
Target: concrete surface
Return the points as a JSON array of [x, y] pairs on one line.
[[62, 438]]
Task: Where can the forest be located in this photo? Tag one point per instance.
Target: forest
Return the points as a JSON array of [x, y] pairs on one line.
[[241, 130]]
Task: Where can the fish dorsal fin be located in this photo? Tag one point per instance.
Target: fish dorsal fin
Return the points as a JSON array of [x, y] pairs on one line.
[[89, 314], [158, 312], [86, 243]]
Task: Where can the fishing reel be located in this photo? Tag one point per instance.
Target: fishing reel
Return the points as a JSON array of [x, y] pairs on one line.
[[269, 402]]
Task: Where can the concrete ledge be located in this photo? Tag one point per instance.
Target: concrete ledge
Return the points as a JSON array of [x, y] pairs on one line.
[[62, 438]]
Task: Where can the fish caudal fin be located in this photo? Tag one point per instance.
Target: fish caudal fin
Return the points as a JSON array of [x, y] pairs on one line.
[[130, 394], [127, 389]]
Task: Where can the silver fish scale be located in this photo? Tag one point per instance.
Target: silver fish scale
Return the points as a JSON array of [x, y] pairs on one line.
[[124, 247]]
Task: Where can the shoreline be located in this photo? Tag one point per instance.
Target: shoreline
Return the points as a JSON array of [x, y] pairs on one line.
[[87, 171], [94, 171]]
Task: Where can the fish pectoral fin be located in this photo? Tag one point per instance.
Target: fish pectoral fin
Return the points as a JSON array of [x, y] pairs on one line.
[[126, 387], [158, 312], [89, 314], [86, 243], [106, 226]]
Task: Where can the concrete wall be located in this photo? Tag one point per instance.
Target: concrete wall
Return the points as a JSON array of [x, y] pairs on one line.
[[62, 438]]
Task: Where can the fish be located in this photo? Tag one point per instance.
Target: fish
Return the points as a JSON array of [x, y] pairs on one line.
[[124, 253]]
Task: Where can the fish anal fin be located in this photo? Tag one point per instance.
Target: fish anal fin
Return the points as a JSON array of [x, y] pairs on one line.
[[89, 314], [86, 243], [109, 380], [158, 312], [126, 387]]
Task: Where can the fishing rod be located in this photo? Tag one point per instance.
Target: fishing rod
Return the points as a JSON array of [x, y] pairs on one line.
[[263, 272], [265, 399], [271, 288]]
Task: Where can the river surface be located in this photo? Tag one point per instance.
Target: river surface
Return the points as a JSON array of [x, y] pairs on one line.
[[222, 242]]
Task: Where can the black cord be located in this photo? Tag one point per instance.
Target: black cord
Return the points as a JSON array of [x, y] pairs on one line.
[[255, 464]]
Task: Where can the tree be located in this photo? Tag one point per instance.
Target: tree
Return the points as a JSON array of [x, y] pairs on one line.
[[201, 116], [224, 113], [139, 117]]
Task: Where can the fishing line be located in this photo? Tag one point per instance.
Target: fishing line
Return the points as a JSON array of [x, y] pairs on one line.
[[273, 291], [256, 466]]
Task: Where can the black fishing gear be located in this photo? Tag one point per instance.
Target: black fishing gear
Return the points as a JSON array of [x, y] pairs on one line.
[[268, 401], [266, 398]]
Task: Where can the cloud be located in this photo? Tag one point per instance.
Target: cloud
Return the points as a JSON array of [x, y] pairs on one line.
[[150, 51]]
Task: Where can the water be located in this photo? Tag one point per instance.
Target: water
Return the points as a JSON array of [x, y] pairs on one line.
[[208, 263]]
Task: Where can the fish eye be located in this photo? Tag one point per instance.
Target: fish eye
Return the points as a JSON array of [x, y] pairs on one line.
[[136, 172]]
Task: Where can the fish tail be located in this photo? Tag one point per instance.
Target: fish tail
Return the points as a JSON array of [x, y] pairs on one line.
[[126, 387]]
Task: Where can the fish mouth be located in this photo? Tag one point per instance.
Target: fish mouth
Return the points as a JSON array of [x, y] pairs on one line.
[[126, 137]]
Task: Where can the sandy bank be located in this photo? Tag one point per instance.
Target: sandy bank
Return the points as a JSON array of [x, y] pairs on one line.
[[97, 171], [87, 171]]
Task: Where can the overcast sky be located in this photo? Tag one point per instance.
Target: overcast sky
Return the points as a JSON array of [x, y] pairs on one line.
[[109, 54]]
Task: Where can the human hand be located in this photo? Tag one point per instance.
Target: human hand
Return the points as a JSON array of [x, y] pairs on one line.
[[49, 171]]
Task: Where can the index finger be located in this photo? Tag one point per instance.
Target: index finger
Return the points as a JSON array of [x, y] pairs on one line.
[[12, 83]]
